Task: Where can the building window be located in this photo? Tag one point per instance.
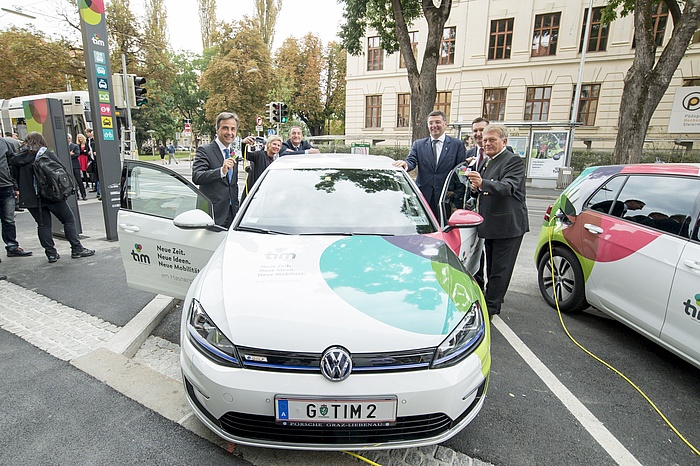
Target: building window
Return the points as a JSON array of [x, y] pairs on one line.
[[501, 38], [375, 57], [494, 104], [588, 104], [537, 103], [659, 19], [447, 46], [691, 82], [403, 111], [598, 36], [413, 36], [545, 35], [373, 111], [443, 102]]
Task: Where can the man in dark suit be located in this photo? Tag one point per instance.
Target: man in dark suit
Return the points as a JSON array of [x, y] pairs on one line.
[[216, 172], [435, 157], [296, 144], [499, 188]]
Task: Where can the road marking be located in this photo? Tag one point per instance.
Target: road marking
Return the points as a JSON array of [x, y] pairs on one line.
[[596, 428]]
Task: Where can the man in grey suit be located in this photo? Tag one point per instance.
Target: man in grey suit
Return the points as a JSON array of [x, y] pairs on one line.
[[435, 157], [499, 188], [216, 172]]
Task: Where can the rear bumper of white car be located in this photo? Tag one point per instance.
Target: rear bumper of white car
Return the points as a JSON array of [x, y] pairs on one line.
[[238, 404]]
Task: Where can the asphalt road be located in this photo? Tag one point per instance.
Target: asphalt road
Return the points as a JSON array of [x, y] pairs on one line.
[[548, 401]]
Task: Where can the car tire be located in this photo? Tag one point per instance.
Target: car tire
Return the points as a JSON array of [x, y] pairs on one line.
[[570, 287]]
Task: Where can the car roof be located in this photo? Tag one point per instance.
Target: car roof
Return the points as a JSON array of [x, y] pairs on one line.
[[374, 162], [687, 169]]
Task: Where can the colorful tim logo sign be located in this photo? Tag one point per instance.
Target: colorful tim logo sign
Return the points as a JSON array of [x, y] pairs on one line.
[[138, 256], [691, 310], [91, 11], [35, 115]]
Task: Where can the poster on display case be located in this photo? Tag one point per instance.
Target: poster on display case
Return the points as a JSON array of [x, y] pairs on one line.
[[547, 153], [519, 145]]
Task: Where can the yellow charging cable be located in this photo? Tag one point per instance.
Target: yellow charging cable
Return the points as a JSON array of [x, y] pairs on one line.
[[361, 458], [624, 377]]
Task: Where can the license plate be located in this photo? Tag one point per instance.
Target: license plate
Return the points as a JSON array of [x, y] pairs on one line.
[[309, 410]]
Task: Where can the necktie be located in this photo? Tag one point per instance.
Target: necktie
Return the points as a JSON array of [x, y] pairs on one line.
[[435, 154], [227, 154], [480, 158]]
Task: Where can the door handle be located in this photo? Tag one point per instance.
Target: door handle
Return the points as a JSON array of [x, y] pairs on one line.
[[694, 265], [129, 228], [595, 229]]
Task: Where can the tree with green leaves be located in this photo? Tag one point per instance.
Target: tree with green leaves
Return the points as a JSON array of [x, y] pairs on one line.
[[333, 88], [124, 33], [390, 19], [31, 63], [266, 14], [188, 97], [650, 75], [237, 78]]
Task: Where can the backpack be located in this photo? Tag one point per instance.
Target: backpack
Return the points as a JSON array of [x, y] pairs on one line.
[[53, 183]]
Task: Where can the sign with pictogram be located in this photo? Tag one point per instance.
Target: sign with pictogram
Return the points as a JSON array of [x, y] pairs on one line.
[[188, 128], [258, 120]]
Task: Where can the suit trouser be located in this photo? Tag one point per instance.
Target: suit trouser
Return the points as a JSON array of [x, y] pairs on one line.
[[501, 255]]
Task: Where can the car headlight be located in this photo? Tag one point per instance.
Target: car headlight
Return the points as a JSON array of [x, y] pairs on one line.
[[210, 340], [463, 339]]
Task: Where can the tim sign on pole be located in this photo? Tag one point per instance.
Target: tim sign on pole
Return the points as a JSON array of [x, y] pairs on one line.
[[99, 77]]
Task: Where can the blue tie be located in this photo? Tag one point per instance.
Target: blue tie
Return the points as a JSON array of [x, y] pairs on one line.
[[227, 154]]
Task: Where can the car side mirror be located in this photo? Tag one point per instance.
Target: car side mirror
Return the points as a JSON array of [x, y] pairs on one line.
[[462, 218], [194, 219]]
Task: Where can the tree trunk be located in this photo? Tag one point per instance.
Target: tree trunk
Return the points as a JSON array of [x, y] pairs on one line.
[[648, 79]]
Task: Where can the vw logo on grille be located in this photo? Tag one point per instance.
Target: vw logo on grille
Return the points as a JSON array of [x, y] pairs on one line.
[[336, 364]]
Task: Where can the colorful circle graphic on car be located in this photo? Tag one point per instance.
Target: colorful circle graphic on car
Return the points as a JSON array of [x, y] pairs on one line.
[[91, 11]]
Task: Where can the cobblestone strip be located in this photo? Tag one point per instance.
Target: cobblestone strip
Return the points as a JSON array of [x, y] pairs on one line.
[[434, 455], [160, 355], [61, 331]]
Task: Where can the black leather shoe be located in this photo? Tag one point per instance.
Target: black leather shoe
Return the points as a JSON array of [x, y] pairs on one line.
[[54, 258], [84, 253], [18, 252]]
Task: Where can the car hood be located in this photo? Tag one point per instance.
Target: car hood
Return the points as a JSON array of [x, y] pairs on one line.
[[305, 293]]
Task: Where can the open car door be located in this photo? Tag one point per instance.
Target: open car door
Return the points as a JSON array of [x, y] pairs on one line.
[[166, 230], [456, 195]]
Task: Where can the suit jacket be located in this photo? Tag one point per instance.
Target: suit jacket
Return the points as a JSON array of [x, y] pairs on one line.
[[501, 199], [431, 177], [288, 147], [206, 172], [74, 151]]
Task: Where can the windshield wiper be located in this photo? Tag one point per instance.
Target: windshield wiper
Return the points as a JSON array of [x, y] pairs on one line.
[[260, 230]]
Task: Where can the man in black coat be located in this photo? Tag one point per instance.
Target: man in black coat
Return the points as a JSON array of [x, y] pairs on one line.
[[435, 157], [499, 188], [216, 172]]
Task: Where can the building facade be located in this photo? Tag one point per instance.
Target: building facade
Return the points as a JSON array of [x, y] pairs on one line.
[[518, 62]]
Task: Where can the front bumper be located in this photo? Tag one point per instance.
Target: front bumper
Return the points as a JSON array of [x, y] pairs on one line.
[[238, 404]]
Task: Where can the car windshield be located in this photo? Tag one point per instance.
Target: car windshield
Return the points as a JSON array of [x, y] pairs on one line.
[[336, 201]]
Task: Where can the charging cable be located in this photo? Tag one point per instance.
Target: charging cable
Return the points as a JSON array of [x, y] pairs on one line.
[[624, 377]]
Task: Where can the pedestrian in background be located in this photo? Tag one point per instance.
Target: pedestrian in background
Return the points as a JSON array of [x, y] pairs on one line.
[[74, 151], [499, 188], [8, 193], [83, 159], [215, 170], [435, 156], [35, 146], [171, 153], [161, 151], [13, 139], [92, 166]]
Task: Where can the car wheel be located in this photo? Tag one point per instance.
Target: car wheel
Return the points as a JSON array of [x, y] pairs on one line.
[[568, 280]]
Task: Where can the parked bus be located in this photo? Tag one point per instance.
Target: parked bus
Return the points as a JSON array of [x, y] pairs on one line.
[[76, 109]]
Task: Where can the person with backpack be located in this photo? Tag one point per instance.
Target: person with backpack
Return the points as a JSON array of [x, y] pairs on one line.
[[45, 193]]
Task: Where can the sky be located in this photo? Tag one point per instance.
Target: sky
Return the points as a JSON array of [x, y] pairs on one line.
[[297, 18]]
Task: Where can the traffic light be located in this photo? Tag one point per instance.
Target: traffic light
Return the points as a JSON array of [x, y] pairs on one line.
[[139, 92], [118, 90], [268, 112], [276, 112], [283, 112]]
